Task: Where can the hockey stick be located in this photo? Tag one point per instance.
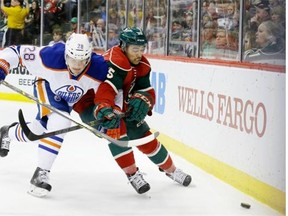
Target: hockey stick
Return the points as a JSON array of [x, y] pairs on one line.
[[31, 136], [121, 143]]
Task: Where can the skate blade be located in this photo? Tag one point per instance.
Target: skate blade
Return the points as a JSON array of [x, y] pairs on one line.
[[37, 192]]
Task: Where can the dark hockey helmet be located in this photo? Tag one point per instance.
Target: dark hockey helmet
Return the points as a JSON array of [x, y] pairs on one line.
[[134, 36]]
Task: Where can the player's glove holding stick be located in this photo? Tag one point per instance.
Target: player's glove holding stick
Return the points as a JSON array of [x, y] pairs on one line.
[[110, 119]]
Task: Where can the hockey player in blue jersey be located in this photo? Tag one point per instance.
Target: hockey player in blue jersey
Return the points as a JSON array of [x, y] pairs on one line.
[[65, 72]]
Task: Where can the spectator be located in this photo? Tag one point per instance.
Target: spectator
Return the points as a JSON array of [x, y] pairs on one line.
[[278, 15], [112, 36], [135, 16], [176, 36], [221, 8], [235, 21], [270, 43], [226, 44], [205, 19], [16, 14], [68, 34], [249, 40], [205, 6], [229, 18], [70, 8], [274, 3], [156, 41], [32, 24], [189, 48], [188, 22], [113, 16], [95, 31], [177, 30], [103, 10], [262, 14], [52, 11], [162, 15], [100, 25], [74, 22], [122, 15], [150, 20], [230, 10], [91, 24], [57, 36], [209, 40], [73, 26], [249, 12], [212, 12]]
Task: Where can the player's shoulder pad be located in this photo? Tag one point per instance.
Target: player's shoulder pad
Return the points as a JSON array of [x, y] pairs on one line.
[[53, 56], [117, 58], [98, 68]]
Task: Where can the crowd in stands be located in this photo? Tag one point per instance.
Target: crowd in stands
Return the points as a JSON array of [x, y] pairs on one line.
[[219, 29], [217, 38], [268, 26]]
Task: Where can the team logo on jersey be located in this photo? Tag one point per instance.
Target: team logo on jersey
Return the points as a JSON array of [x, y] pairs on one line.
[[70, 93]]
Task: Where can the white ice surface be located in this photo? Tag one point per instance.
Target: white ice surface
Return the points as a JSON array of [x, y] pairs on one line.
[[86, 181]]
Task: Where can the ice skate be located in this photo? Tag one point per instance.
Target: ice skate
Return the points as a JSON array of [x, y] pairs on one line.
[[180, 177], [40, 186], [5, 140], [138, 182]]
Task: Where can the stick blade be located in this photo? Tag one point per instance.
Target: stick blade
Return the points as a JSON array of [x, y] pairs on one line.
[[24, 126]]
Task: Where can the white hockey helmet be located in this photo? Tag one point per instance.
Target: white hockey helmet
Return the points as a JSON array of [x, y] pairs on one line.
[[78, 50]]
